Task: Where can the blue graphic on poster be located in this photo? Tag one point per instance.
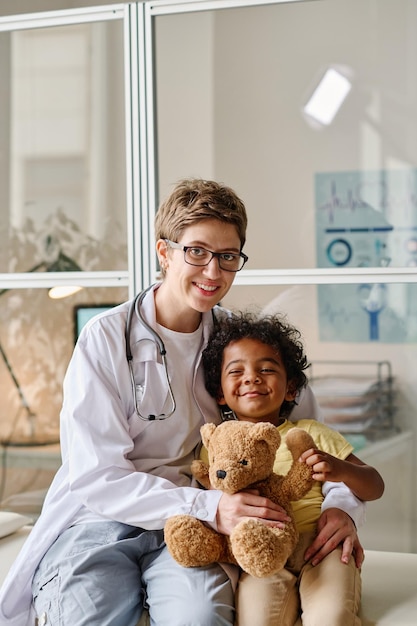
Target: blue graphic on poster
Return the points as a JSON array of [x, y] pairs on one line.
[[367, 219]]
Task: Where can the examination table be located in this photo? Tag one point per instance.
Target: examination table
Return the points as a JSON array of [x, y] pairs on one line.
[[389, 593]]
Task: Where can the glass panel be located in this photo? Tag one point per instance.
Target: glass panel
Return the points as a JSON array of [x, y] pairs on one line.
[[37, 336], [365, 386], [338, 323], [231, 88], [62, 143]]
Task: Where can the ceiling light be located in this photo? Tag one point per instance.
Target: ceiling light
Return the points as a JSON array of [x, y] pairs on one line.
[[63, 291], [328, 97]]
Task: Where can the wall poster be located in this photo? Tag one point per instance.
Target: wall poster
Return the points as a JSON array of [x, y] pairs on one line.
[[367, 219]]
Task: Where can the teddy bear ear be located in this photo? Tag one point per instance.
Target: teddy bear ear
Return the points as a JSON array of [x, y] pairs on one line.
[[268, 432], [206, 432]]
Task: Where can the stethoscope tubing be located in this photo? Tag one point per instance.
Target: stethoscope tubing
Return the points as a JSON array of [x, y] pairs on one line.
[[135, 308]]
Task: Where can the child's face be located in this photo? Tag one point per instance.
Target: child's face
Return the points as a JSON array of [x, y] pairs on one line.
[[254, 381]]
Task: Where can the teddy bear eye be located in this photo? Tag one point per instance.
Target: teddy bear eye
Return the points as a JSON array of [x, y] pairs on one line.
[[243, 462]]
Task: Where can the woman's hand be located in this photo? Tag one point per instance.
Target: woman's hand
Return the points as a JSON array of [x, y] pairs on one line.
[[335, 528], [248, 505]]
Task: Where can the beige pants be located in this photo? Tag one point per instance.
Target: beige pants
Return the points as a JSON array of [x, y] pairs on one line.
[[325, 595]]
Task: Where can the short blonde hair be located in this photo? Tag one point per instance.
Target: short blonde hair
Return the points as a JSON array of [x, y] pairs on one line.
[[195, 199]]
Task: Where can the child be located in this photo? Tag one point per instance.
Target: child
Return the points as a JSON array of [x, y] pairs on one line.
[[255, 367]]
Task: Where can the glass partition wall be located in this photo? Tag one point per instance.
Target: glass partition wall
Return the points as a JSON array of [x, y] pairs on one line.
[[231, 90], [331, 194], [63, 217], [67, 200]]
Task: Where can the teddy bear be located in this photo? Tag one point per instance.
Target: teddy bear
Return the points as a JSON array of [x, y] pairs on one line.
[[241, 456]]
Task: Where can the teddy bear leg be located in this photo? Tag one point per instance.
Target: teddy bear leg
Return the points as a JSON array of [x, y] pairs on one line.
[[191, 543], [259, 550]]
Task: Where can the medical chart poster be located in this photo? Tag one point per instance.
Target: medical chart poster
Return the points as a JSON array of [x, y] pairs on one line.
[[367, 219]]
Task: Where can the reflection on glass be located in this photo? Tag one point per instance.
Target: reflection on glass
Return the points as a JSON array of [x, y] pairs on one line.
[[63, 140], [231, 86], [37, 336], [328, 97], [356, 327], [377, 312]]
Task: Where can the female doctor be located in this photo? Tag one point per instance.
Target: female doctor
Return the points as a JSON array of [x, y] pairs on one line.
[[130, 423]]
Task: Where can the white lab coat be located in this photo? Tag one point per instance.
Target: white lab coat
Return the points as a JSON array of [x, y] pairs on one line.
[[108, 453]]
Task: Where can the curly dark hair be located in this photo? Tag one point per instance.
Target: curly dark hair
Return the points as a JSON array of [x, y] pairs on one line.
[[273, 330]]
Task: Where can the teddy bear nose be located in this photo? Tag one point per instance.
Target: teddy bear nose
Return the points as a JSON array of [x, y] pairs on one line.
[[221, 474]]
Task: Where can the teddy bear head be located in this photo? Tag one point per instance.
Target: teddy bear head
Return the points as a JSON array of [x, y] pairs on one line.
[[240, 453]]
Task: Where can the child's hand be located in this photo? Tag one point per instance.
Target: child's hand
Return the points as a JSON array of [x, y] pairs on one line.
[[325, 466]]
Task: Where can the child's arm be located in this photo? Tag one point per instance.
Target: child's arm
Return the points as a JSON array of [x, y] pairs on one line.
[[363, 480]]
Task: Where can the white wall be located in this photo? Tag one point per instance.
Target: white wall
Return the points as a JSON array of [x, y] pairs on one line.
[[184, 88]]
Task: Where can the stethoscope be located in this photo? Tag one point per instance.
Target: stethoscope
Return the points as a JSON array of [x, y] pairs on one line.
[[135, 307]]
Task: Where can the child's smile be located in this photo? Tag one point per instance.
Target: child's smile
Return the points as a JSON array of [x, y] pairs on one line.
[[254, 381]]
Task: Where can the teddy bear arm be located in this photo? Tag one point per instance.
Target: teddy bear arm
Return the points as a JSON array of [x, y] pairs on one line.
[[298, 481], [274, 489], [200, 471], [271, 488]]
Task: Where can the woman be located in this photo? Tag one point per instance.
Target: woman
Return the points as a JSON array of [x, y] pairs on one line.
[[96, 555]]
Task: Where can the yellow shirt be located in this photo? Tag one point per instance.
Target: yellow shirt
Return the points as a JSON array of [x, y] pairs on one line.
[[308, 509]]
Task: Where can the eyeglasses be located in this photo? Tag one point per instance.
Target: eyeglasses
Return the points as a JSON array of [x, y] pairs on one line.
[[195, 255]]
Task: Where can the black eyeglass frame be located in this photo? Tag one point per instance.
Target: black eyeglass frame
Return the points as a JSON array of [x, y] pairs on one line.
[[217, 255]]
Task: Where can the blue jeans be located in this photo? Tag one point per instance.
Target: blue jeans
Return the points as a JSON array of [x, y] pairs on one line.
[[104, 573]]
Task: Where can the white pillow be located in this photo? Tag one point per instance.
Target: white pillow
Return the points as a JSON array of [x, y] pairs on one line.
[[10, 522]]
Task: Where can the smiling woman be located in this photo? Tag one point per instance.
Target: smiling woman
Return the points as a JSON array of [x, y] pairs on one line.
[[189, 287], [141, 459]]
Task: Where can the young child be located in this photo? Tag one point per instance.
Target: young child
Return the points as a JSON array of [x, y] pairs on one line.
[[255, 367]]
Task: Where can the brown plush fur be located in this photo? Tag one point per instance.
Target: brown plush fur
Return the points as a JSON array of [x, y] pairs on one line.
[[241, 456]]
